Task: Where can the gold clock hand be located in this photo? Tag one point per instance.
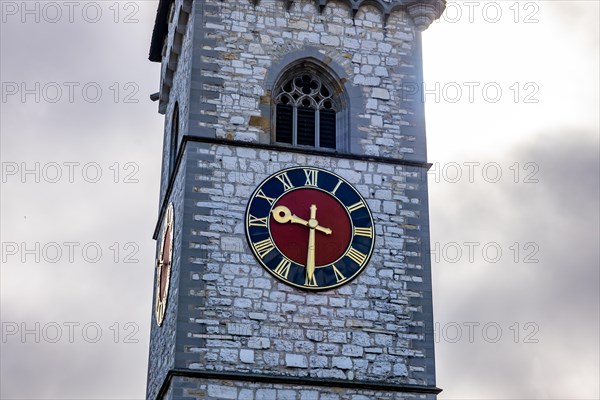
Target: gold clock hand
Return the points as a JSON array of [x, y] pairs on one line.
[[310, 260], [282, 214], [326, 231]]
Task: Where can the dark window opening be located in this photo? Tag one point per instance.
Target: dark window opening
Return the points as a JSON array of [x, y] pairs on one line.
[[284, 123], [306, 111], [327, 128], [174, 139], [306, 126]]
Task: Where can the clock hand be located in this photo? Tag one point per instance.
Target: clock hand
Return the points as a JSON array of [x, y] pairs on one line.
[[282, 214], [310, 260]]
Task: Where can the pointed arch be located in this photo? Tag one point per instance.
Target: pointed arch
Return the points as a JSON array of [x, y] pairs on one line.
[[309, 107], [174, 138]]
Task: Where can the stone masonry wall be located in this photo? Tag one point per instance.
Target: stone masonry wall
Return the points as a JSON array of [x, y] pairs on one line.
[[234, 316], [180, 89], [217, 390], [163, 338], [248, 44]]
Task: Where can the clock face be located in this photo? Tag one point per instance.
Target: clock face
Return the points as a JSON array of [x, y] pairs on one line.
[[310, 228], [163, 266]]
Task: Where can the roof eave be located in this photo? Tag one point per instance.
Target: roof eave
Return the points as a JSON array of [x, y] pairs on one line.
[[161, 29]]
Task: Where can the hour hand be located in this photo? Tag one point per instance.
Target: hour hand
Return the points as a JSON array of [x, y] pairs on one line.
[[283, 215]]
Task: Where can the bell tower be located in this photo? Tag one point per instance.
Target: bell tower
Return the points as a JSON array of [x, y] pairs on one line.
[[293, 225]]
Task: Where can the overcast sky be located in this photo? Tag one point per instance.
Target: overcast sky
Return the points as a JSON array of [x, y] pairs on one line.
[[512, 124]]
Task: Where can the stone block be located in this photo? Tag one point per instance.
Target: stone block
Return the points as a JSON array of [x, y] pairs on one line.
[[296, 361], [247, 356], [222, 392]]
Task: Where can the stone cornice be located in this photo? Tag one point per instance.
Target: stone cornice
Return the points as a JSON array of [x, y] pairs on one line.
[[422, 12], [422, 165], [293, 380], [425, 12]]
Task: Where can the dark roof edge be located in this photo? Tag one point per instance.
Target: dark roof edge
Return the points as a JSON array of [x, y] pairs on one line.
[[161, 29]]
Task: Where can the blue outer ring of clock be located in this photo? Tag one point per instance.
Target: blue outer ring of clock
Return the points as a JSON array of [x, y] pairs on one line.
[[268, 193]]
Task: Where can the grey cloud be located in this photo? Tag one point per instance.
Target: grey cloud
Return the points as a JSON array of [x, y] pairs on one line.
[[559, 293]]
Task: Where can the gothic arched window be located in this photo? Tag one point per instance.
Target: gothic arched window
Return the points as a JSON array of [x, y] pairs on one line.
[[309, 110], [174, 139]]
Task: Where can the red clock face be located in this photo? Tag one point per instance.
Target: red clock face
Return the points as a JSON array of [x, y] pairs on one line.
[[166, 261], [310, 228], [163, 266], [292, 239]]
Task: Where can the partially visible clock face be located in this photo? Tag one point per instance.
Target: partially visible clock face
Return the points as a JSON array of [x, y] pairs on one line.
[[310, 228], [163, 266]]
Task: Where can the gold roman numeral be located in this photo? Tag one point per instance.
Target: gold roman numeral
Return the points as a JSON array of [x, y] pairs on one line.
[[160, 312], [312, 282], [311, 177], [262, 195], [254, 221], [356, 206], [338, 275], [356, 256], [264, 247], [336, 187], [285, 180], [283, 268], [368, 232]]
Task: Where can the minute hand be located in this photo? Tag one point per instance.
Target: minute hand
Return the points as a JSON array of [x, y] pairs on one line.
[[310, 260]]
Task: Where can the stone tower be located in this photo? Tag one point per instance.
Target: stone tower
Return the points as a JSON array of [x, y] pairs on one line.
[[268, 105]]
